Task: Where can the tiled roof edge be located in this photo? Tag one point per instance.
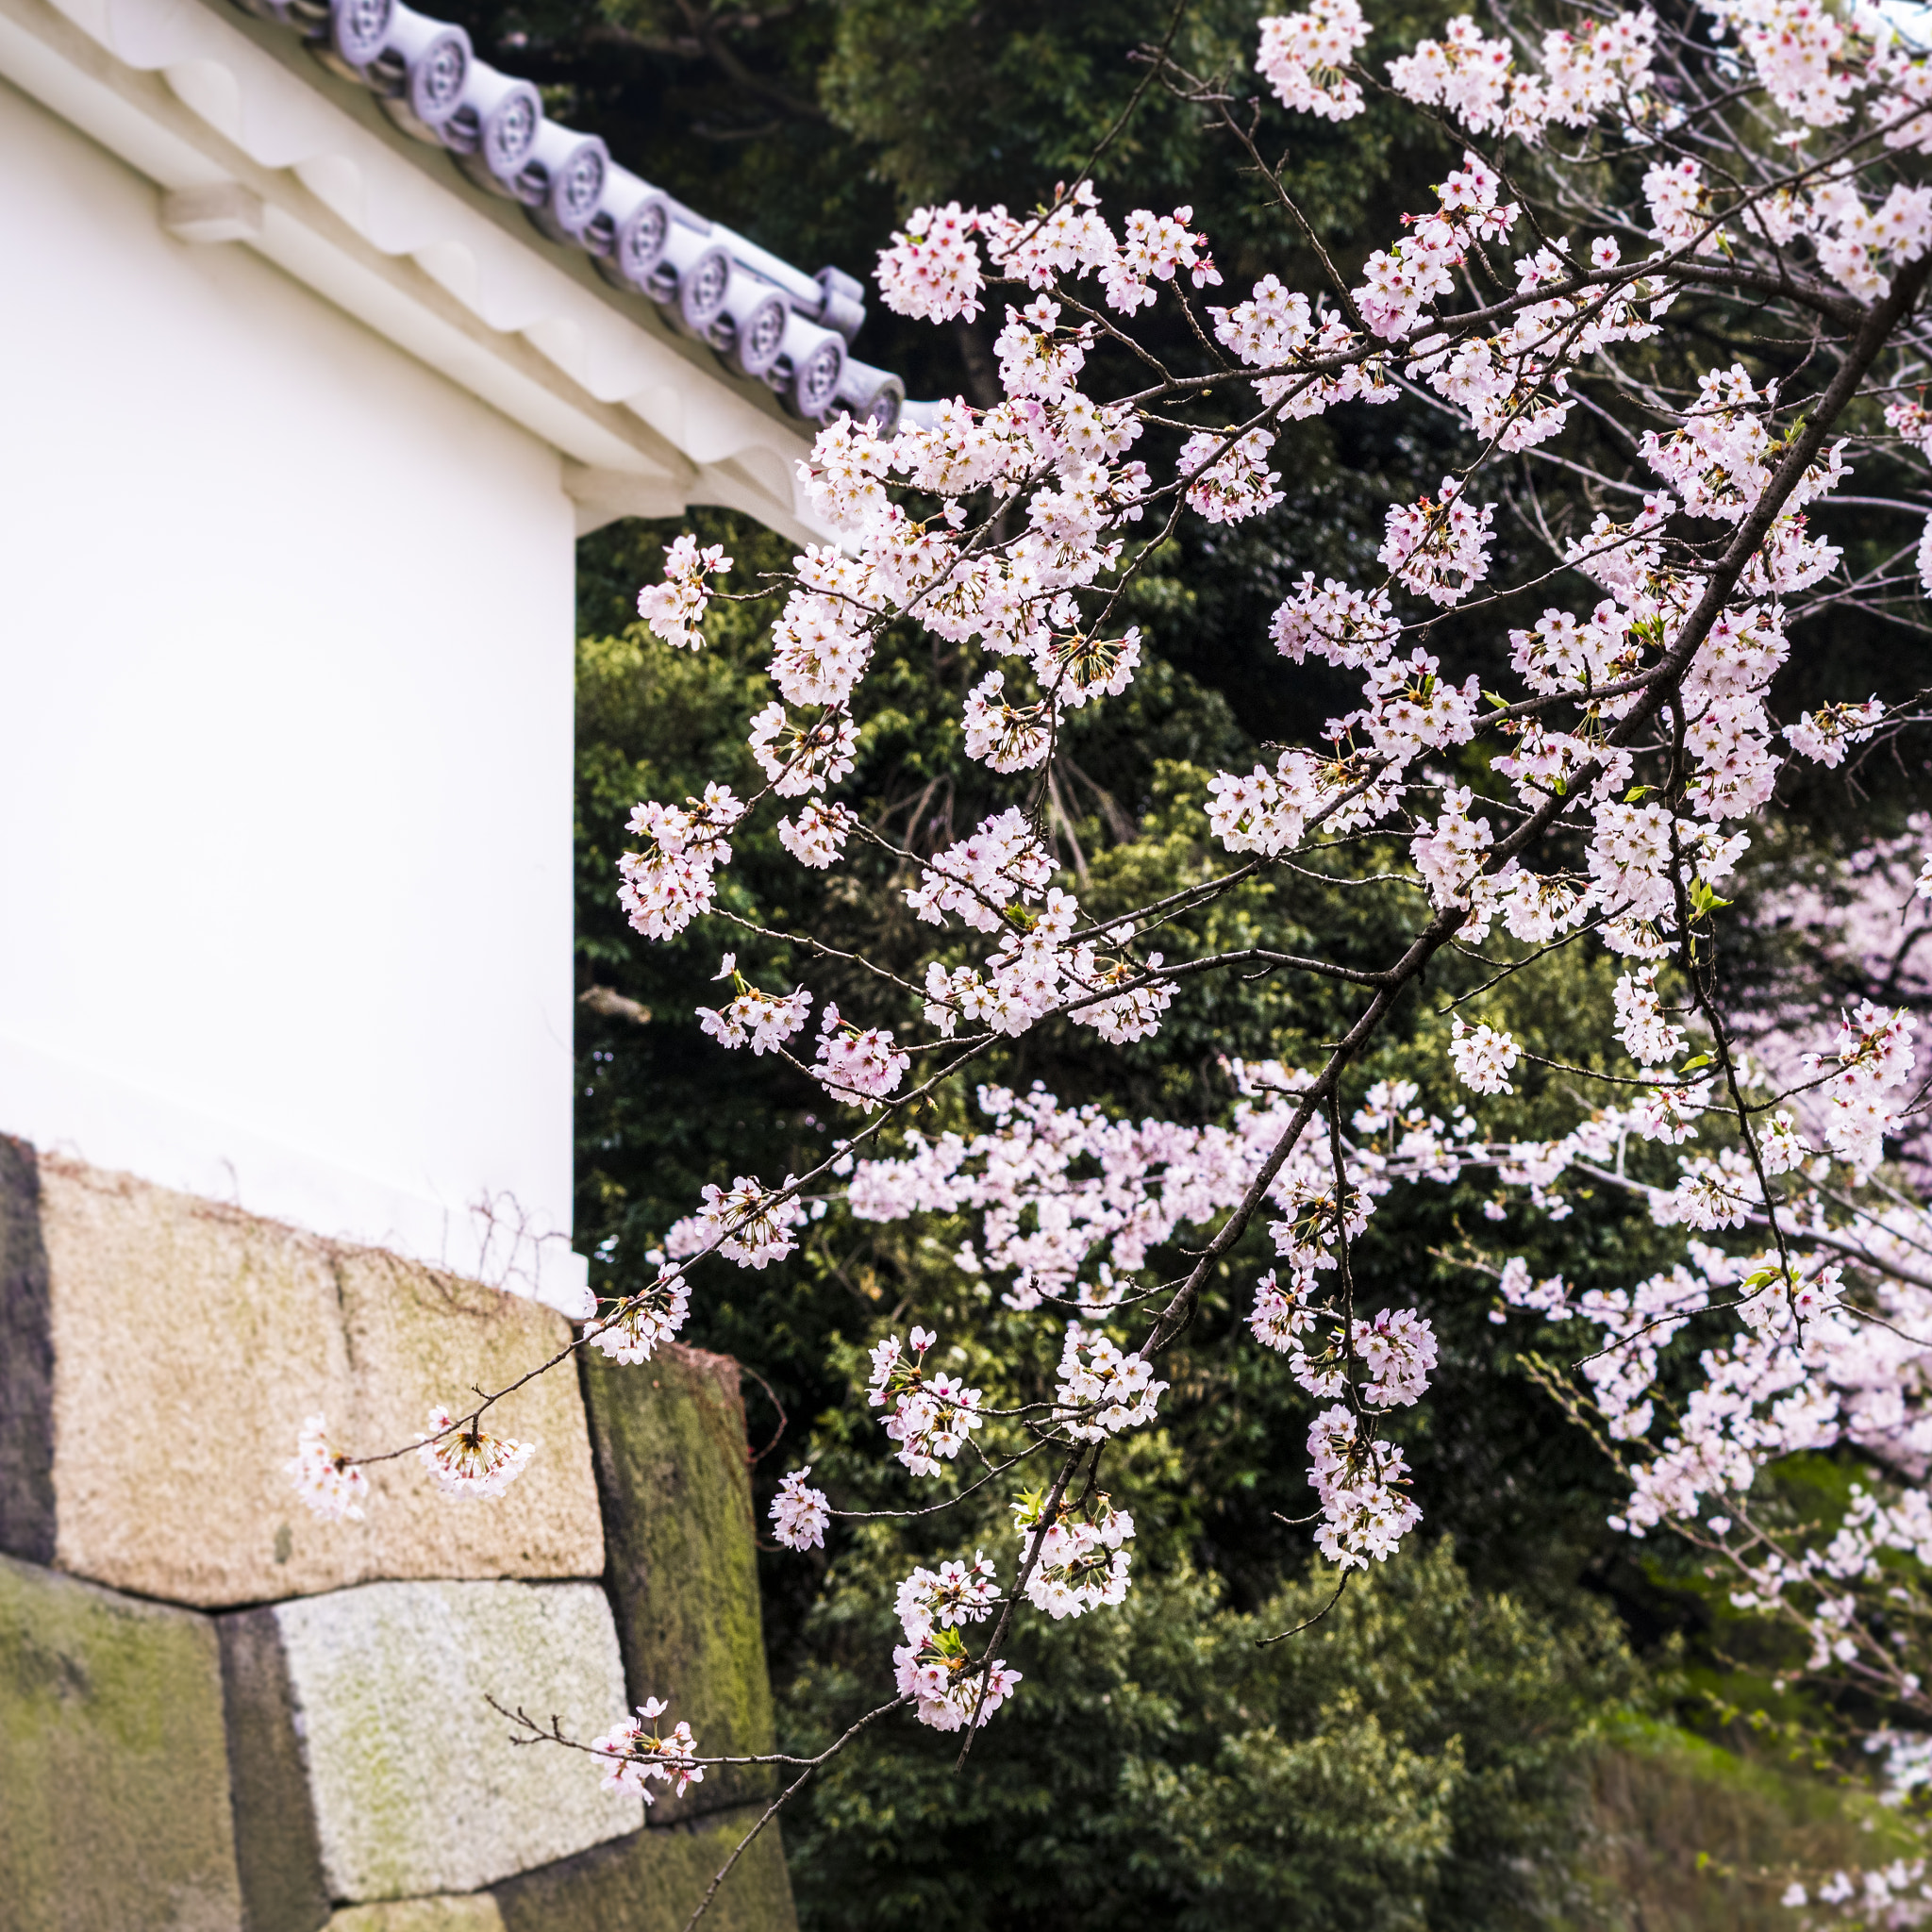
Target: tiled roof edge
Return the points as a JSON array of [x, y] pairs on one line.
[[765, 321]]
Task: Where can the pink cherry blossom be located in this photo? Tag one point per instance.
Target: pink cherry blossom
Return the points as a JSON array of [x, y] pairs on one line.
[[468, 1460], [324, 1478], [800, 1514]]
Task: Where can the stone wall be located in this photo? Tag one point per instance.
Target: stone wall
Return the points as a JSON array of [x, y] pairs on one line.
[[218, 1715]]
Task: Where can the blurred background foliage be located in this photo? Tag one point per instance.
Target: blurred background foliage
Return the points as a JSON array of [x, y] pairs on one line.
[[1430, 1754], [1525, 1721]]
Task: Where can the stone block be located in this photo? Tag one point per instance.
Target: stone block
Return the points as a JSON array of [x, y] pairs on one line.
[[161, 1353], [651, 1881], [114, 1811], [276, 1851], [27, 1364], [416, 1785], [669, 1436], [474, 1911]]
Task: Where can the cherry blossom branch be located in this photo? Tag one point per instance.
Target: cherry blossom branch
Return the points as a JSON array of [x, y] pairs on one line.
[[783, 1799]]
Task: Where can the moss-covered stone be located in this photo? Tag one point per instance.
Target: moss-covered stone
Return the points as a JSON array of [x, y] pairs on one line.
[[651, 1881], [473, 1911], [113, 1768], [417, 1786], [682, 1555]]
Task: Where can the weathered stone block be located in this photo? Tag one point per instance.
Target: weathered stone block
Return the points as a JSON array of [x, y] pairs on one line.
[[416, 1785], [669, 1436], [163, 1351], [651, 1882], [473, 1911], [277, 1851], [27, 1364], [113, 1772]]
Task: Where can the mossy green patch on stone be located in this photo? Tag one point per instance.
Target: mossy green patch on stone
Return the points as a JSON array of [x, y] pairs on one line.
[[651, 1881], [473, 1911], [417, 1785], [668, 1440], [113, 1763]]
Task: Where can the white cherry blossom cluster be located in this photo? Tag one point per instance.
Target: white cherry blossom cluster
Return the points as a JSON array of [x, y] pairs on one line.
[[1229, 481], [820, 645], [1002, 864], [1360, 1480], [859, 1065], [644, 1319], [1284, 1315], [800, 1514], [1642, 1030], [1397, 1350], [801, 755], [933, 1666], [816, 834], [1078, 1563], [1873, 1056], [946, 1598], [932, 270], [1305, 59], [643, 1753], [467, 1460], [324, 1478], [673, 608], [1103, 1389], [672, 880], [764, 1020], [1154, 248], [749, 1223], [1826, 734], [931, 1415], [1482, 1057], [1385, 1360], [946, 1686], [1034, 969]]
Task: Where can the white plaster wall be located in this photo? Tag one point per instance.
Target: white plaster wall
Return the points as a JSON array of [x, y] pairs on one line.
[[285, 741]]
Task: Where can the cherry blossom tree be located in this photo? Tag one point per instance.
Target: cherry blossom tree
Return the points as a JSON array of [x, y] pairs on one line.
[[1671, 301]]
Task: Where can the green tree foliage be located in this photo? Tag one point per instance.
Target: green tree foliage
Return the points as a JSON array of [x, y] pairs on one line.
[[1413, 1759], [814, 126], [1417, 1753], [1470, 1806]]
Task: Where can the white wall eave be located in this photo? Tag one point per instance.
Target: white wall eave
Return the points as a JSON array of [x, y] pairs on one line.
[[252, 142]]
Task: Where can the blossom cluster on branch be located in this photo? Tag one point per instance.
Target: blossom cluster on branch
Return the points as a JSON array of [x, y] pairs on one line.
[[1627, 770], [1645, 523], [643, 1753]]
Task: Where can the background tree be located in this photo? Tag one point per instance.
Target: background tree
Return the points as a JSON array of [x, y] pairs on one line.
[[824, 122]]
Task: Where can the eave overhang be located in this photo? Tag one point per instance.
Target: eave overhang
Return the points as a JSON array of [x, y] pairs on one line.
[[252, 141]]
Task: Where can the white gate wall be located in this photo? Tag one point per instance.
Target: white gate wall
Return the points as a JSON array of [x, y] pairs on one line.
[[285, 742]]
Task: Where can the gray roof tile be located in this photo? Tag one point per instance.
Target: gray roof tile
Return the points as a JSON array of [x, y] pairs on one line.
[[766, 321]]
